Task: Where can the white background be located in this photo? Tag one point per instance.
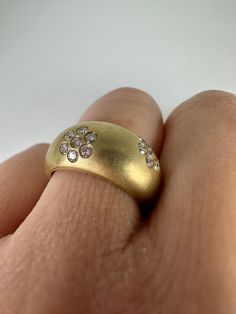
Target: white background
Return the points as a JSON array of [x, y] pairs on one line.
[[56, 57]]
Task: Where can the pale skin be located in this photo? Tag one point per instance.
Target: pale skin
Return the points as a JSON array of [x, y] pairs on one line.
[[77, 244]]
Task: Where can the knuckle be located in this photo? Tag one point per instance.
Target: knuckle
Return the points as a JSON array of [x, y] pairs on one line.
[[135, 97], [130, 91], [40, 146], [214, 93], [213, 106], [218, 98], [207, 122]]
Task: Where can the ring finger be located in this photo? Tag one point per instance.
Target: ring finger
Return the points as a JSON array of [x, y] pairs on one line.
[[80, 217]]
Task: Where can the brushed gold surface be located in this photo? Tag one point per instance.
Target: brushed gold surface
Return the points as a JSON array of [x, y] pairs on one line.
[[115, 158]]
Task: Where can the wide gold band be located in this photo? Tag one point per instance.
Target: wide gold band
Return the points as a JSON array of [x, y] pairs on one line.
[[110, 151]]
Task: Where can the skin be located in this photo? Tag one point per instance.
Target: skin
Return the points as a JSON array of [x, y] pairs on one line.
[[77, 244]]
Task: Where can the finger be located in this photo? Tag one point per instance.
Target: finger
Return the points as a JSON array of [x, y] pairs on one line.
[[132, 109], [22, 181], [81, 222], [192, 230]]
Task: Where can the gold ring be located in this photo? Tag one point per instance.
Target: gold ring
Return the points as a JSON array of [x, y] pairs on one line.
[[111, 152]]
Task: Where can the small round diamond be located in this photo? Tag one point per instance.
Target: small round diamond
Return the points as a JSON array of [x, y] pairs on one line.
[[86, 151], [157, 166], [91, 137], [142, 148], [149, 161], [69, 135], [154, 157], [63, 149], [150, 151], [73, 155], [76, 142], [82, 130]]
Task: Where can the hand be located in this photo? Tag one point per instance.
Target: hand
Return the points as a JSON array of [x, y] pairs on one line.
[[77, 244]]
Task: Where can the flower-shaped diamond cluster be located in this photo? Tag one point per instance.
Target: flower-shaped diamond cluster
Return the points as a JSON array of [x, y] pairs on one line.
[[150, 157], [77, 144]]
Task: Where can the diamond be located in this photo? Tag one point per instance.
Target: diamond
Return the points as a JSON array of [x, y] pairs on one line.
[[63, 149], [82, 130], [154, 157], [86, 151], [142, 148], [69, 135], [157, 166], [149, 161], [150, 151], [91, 137], [76, 142], [73, 155]]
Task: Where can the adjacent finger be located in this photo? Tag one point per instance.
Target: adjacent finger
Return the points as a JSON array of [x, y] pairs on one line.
[[22, 181], [192, 232]]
